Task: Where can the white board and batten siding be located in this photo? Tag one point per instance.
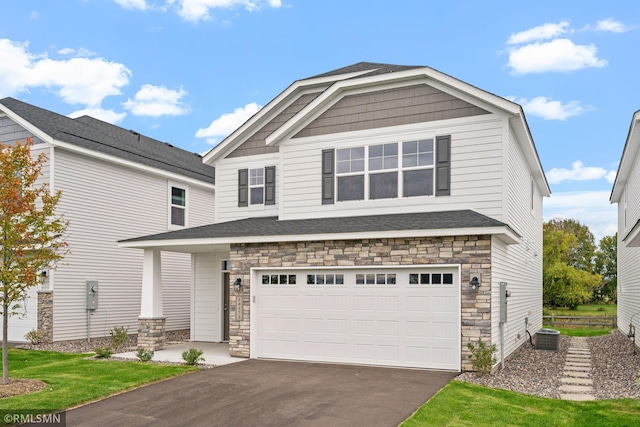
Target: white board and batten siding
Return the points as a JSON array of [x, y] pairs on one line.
[[105, 202], [519, 265], [476, 165], [629, 257], [207, 311], [337, 320]]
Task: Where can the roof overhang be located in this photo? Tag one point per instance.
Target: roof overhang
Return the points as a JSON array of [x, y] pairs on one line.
[[504, 233], [632, 239], [629, 155]]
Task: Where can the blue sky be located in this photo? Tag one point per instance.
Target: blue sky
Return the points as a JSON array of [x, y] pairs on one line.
[[190, 71]]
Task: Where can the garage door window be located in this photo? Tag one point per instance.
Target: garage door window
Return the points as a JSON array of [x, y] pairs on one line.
[[279, 279], [325, 279], [376, 279], [430, 279]]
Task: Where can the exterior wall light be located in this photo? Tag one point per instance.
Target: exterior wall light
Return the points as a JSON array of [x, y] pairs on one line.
[[237, 285], [474, 283]]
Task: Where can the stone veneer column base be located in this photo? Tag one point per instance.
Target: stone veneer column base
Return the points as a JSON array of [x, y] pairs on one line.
[[45, 315], [151, 333]]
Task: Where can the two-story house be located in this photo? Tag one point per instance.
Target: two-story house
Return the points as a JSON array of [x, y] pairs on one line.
[[625, 193], [115, 183], [375, 214]]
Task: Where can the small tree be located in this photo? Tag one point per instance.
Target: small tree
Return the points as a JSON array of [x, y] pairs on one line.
[[30, 231]]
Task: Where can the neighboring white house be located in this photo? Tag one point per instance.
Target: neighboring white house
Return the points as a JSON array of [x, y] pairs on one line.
[[367, 215], [626, 189], [115, 183]]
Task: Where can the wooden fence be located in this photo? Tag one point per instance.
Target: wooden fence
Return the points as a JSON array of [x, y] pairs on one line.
[[581, 321]]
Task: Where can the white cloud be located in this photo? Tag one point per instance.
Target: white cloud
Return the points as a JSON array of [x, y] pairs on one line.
[[109, 116], [557, 55], [227, 123], [611, 25], [541, 32], [548, 109], [132, 4], [578, 172], [156, 101], [76, 80], [591, 208], [69, 51], [197, 10]]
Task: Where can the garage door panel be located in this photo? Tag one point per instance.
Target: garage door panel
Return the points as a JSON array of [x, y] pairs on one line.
[[383, 323]]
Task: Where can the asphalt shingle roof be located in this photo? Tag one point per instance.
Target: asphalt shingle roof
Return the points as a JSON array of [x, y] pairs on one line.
[[373, 67], [271, 226], [93, 134]]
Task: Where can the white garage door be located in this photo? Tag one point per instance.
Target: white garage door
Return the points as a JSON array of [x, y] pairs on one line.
[[406, 317]]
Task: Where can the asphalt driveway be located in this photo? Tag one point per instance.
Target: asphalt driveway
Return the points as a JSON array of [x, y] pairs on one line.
[[270, 393]]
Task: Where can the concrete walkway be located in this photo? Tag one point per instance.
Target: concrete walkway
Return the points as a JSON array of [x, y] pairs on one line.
[[576, 380], [215, 354]]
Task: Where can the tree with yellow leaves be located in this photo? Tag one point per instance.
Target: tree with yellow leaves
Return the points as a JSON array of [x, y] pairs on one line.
[[31, 232]]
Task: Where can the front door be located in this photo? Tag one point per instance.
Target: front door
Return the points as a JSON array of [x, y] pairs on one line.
[[225, 316]]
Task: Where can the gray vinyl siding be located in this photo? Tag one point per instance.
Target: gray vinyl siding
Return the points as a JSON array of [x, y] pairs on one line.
[[520, 265], [105, 202], [629, 257], [10, 132], [391, 107], [256, 145], [476, 171]]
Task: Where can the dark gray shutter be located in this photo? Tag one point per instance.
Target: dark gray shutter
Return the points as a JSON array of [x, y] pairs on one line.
[[328, 163], [243, 187], [443, 165], [270, 185]]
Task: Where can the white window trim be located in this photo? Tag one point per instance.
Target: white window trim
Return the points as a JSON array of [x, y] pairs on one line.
[[399, 170], [250, 186], [170, 185]]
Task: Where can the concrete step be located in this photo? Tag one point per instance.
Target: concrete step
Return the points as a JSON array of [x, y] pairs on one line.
[[579, 381], [575, 374], [577, 368], [570, 388], [577, 397]]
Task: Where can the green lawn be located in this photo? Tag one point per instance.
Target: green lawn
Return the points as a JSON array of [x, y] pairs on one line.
[[464, 404], [73, 379]]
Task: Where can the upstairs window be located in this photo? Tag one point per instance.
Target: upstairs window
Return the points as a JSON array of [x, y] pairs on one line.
[[177, 206], [387, 171], [257, 186]]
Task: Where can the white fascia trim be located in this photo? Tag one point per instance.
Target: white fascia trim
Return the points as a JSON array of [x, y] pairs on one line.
[[504, 233], [340, 86], [131, 164], [299, 85], [629, 154]]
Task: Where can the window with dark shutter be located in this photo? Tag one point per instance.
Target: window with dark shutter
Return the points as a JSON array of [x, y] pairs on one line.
[[443, 165], [328, 172], [243, 187], [270, 185]]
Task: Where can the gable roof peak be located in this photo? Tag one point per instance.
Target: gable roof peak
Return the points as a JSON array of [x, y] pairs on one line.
[[366, 68]]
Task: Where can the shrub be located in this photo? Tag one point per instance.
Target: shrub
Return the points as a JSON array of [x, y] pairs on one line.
[[33, 336], [103, 352], [144, 355], [482, 357], [119, 336], [192, 356]]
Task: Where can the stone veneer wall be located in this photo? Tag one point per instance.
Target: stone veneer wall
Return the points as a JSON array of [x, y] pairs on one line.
[[473, 253], [151, 333], [45, 315]]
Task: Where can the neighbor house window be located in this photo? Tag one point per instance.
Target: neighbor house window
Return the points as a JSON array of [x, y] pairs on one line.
[[387, 171], [177, 205], [256, 186]]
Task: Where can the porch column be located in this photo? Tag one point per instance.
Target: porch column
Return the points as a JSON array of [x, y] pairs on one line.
[[151, 323]]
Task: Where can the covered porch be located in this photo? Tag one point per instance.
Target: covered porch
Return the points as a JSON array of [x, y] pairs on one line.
[[214, 354]]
